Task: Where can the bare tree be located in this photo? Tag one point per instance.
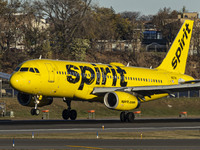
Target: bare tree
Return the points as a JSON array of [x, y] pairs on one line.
[[10, 20], [196, 38], [131, 15], [166, 21], [65, 16]]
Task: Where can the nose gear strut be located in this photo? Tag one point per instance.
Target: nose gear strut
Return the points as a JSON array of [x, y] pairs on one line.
[[35, 110]]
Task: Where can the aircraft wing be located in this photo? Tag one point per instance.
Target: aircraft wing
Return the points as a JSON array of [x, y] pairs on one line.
[[5, 75], [150, 90]]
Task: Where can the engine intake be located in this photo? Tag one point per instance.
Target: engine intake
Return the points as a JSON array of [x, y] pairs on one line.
[[28, 100], [121, 101]]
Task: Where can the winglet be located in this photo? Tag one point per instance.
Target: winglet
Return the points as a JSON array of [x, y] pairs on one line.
[[176, 58]]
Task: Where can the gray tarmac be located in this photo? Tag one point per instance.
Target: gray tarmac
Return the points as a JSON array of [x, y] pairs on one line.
[[99, 144], [110, 125], [49, 126]]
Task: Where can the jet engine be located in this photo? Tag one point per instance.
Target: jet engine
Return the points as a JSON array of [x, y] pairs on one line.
[[28, 100], [121, 101]]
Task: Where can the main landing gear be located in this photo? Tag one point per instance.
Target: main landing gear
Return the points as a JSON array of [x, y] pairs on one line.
[[36, 111], [127, 116], [69, 113]]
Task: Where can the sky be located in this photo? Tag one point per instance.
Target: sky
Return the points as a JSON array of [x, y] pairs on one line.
[[149, 7]]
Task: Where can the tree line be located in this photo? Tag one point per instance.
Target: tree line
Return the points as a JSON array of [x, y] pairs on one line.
[[72, 28]]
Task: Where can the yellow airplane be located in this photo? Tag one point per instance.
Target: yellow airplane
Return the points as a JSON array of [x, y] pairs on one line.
[[119, 87]]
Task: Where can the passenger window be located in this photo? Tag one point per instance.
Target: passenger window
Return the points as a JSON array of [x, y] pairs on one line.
[[36, 70], [24, 69], [31, 70]]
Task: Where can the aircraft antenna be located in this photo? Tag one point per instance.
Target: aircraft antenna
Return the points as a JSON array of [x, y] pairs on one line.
[[127, 65]]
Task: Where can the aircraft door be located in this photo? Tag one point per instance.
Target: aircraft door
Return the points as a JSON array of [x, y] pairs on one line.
[[51, 73]]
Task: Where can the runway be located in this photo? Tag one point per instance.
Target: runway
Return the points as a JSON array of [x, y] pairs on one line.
[[98, 144], [16, 127]]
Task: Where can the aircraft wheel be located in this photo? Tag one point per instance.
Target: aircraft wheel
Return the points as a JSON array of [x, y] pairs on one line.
[[66, 114], [35, 112], [123, 116], [130, 117], [32, 112], [73, 114]]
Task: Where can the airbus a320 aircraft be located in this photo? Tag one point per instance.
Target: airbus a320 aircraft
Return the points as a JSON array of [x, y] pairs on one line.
[[119, 87]]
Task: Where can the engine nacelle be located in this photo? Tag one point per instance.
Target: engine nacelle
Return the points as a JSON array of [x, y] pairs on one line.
[[28, 100], [121, 101]]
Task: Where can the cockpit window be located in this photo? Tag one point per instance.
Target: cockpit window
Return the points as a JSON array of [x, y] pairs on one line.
[[24, 69], [17, 69], [31, 70], [36, 70]]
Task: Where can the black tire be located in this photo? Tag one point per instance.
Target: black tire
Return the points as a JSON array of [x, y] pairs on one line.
[[123, 117], [130, 117], [32, 111], [73, 114], [35, 112], [66, 114]]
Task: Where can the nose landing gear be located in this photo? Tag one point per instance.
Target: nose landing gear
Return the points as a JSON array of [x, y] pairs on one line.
[[69, 113], [36, 111]]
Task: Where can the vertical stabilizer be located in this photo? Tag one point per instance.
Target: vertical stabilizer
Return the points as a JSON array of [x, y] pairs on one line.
[[176, 58]]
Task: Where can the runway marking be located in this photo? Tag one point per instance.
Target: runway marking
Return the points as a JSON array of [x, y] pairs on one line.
[[83, 147], [95, 129]]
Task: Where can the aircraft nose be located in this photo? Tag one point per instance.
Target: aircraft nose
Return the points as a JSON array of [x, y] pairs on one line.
[[16, 81]]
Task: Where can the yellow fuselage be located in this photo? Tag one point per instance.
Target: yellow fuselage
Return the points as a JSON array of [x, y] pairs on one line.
[[76, 80]]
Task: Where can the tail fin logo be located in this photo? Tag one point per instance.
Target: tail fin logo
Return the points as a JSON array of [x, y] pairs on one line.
[[176, 58]]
